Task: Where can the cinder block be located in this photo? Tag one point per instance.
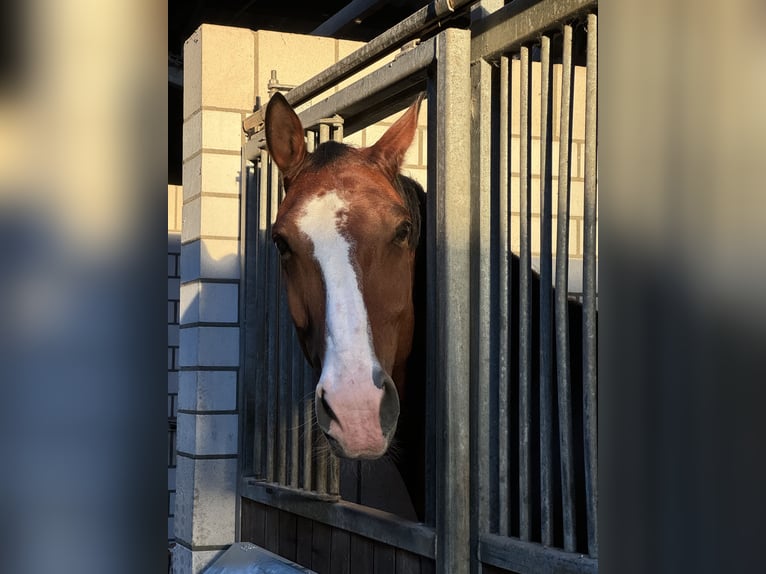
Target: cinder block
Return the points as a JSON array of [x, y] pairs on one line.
[[192, 73], [191, 227], [209, 347], [192, 177], [191, 137], [214, 434], [221, 130], [220, 217], [207, 390], [205, 501], [220, 173], [228, 67], [210, 259], [209, 302], [193, 562], [277, 51]]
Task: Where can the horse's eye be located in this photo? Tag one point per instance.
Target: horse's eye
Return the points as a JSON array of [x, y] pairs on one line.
[[403, 233], [282, 247]]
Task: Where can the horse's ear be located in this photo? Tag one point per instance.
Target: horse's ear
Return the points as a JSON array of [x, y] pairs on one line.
[[389, 150], [284, 136]]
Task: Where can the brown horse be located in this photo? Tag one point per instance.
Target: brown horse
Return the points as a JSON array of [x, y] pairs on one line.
[[347, 232]]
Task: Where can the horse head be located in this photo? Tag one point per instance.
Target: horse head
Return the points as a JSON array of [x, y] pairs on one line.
[[346, 232]]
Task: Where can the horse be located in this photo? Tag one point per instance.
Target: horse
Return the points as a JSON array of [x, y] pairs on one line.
[[348, 234]]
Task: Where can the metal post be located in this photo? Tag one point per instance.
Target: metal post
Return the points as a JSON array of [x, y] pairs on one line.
[[450, 198], [546, 277], [590, 340], [562, 320]]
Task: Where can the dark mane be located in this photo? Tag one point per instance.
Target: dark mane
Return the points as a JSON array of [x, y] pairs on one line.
[[326, 154], [414, 198]]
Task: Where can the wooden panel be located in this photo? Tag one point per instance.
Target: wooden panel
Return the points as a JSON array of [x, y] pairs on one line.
[[271, 540], [253, 522], [287, 535], [339, 562], [427, 566], [303, 537], [384, 559], [361, 554], [407, 563], [321, 542]]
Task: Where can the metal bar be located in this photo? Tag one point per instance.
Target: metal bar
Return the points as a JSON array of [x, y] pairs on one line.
[[284, 352], [272, 323], [369, 99], [530, 558], [590, 341], [525, 351], [296, 408], [323, 461], [562, 320], [262, 254], [308, 426], [453, 265], [519, 22], [546, 277], [481, 293], [422, 21], [504, 318]]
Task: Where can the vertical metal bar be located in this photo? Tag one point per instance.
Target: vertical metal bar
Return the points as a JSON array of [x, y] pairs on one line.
[[337, 133], [333, 486], [308, 426], [590, 423], [260, 448], [296, 408], [272, 324], [481, 301], [525, 351], [324, 456], [453, 265], [562, 320], [283, 426], [503, 317], [546, 276]]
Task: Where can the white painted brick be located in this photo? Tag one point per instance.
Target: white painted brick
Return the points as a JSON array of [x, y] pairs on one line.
[[191, 138], [207, 434], [209, 347], [220, 217], [189, 304], [192, 177], [210, 259], [184, 486], [221, 130], [207, 390], [220, 173], [173, 382], [191, 226], [172, 335]]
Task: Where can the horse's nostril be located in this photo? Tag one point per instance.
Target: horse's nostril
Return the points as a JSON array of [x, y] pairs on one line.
[[325, 414], [389, 407]]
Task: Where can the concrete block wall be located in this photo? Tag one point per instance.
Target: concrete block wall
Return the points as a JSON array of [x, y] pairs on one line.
[[225, 70], [219, 80], [174, 292]]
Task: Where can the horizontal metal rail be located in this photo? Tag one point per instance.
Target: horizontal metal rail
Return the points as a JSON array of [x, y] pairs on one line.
[[427, 18], [519, 22], [369, 99]]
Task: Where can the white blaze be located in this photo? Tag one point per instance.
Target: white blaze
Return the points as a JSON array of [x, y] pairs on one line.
[[349, 357]]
